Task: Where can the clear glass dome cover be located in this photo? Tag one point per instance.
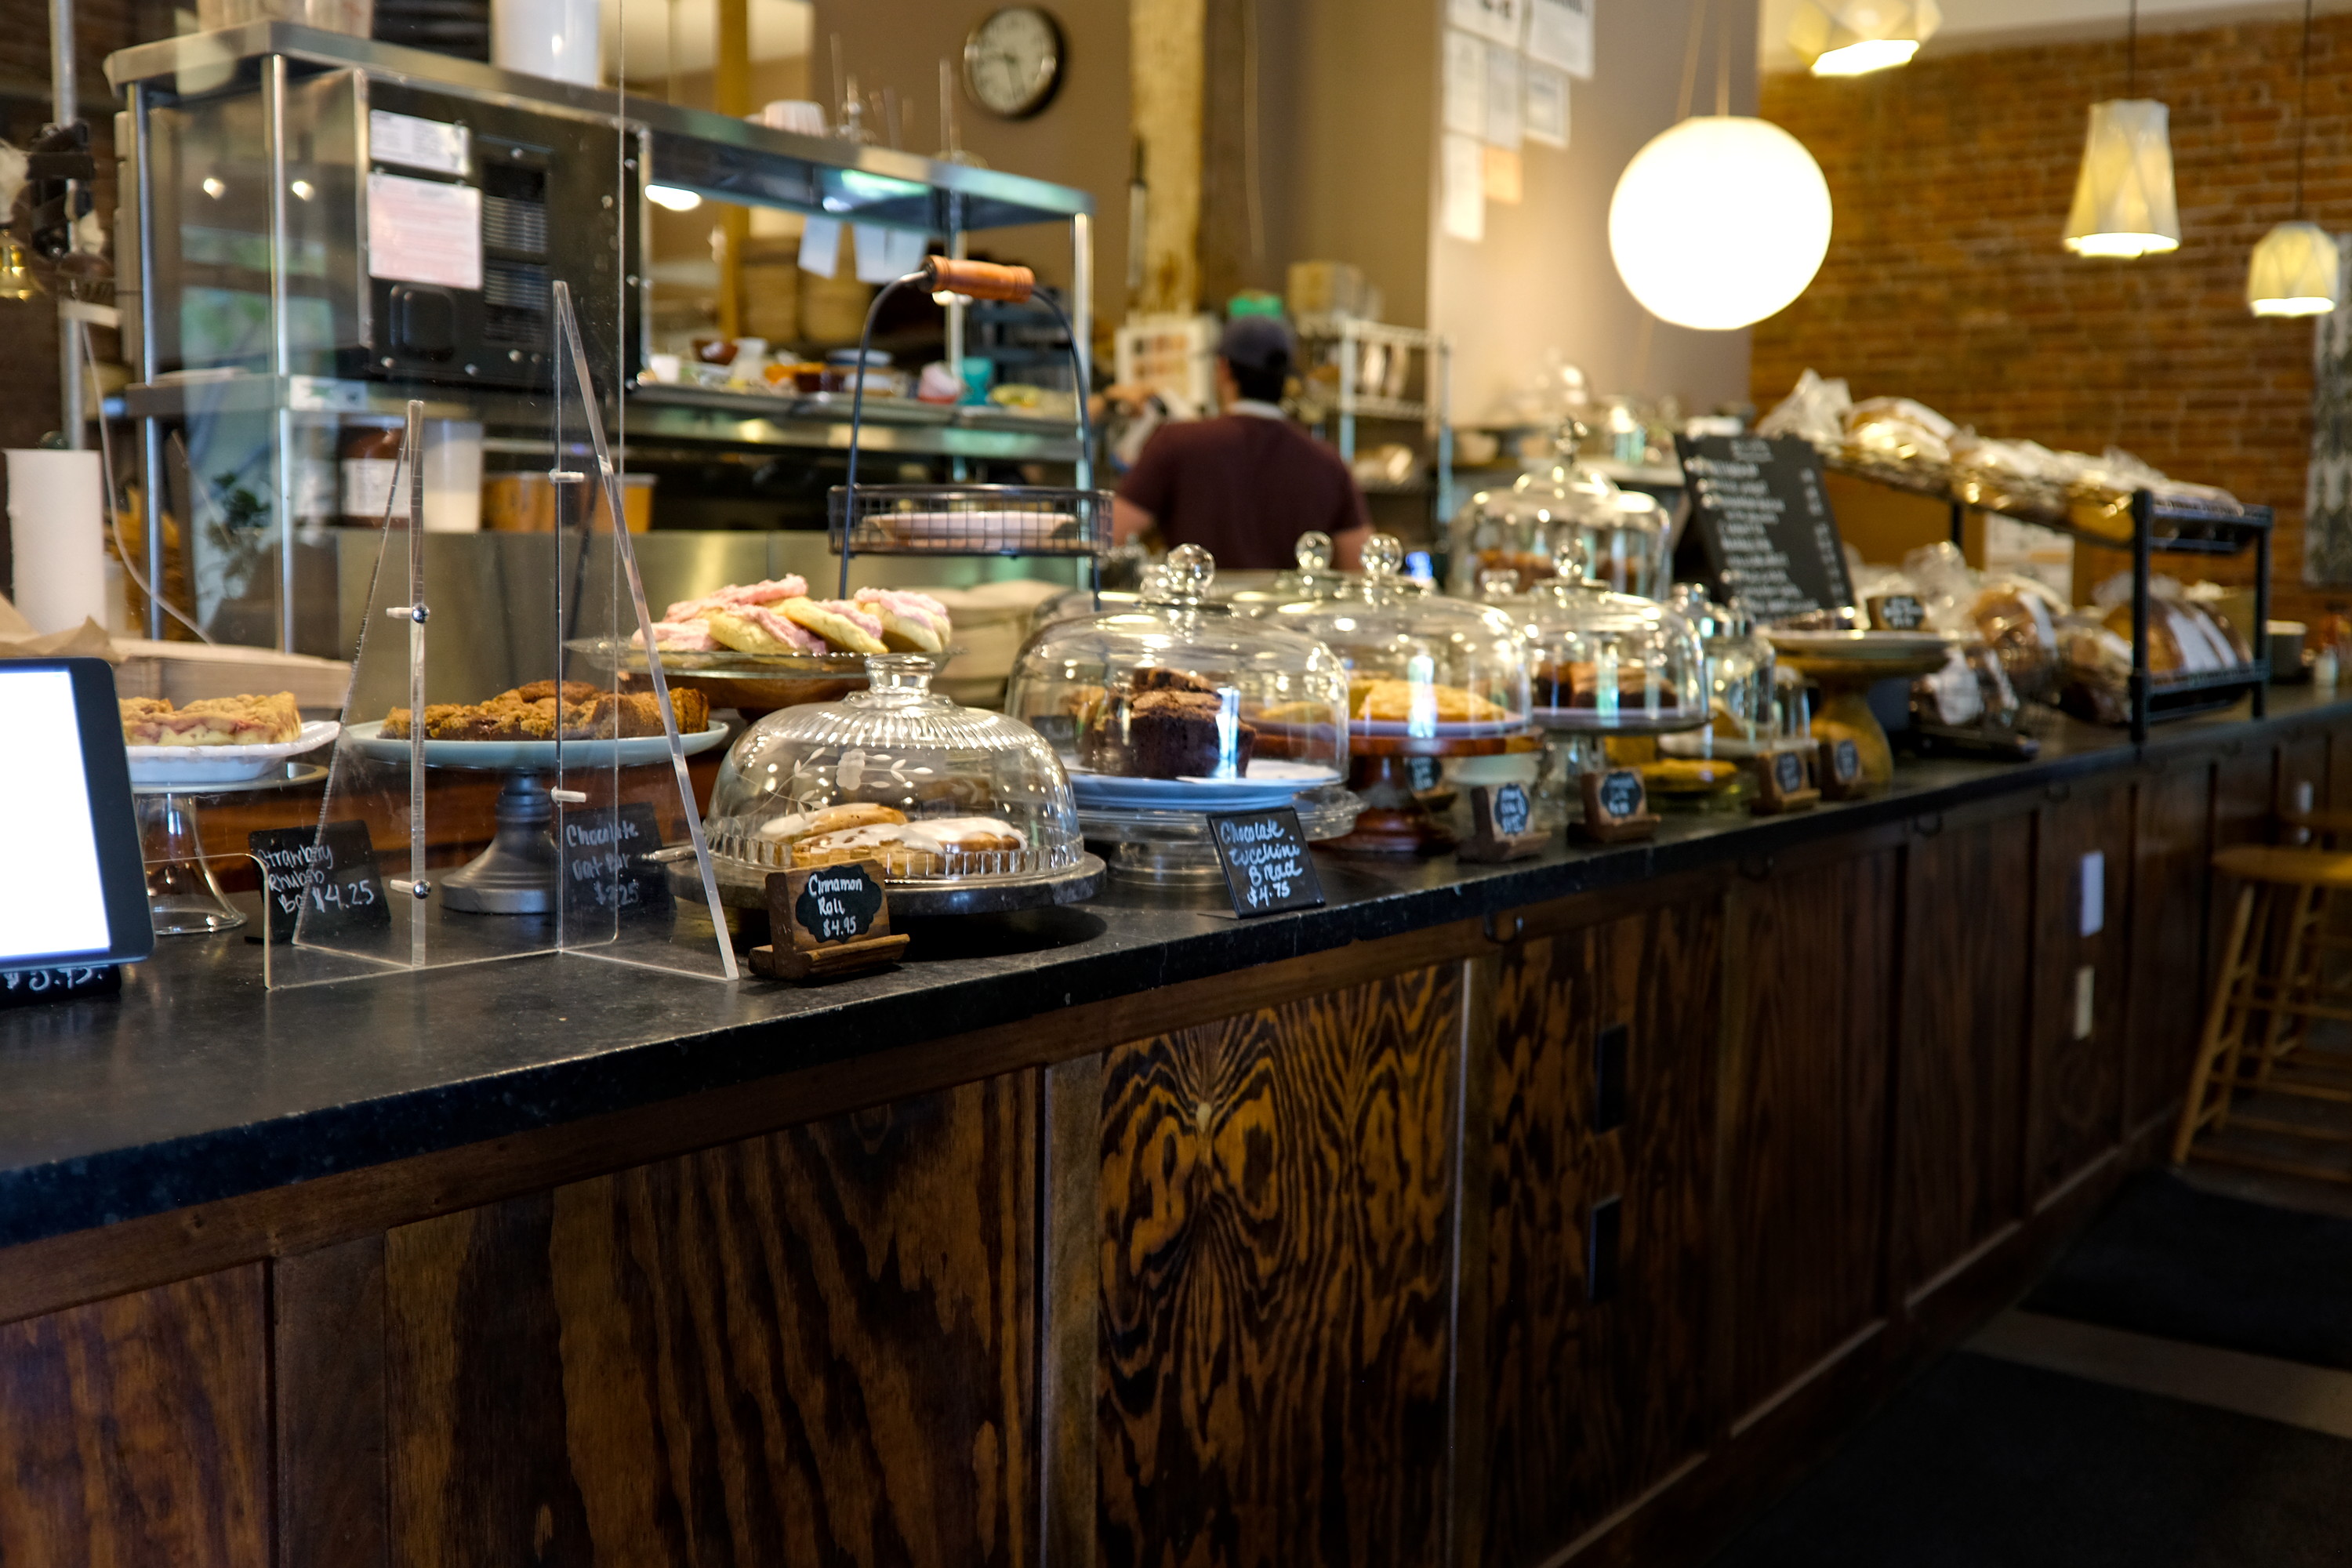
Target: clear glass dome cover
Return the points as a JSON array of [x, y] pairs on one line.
[[935, 791], [1180, 687], [1605, 661], [1313, 578], [1625, 533], [1420, 666]]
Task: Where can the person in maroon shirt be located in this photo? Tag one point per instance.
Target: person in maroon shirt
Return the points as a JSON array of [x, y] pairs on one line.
[[1245, 485]]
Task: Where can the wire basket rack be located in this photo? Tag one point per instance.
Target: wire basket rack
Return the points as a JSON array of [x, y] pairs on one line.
[[969, 520]]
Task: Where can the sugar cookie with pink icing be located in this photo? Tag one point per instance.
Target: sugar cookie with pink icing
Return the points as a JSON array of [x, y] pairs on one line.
[[848, 626], [750, 628], [911, 623], [768, 593]]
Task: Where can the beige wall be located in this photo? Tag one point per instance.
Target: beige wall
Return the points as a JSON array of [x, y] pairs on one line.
[[1080, 140], [1543, 278]]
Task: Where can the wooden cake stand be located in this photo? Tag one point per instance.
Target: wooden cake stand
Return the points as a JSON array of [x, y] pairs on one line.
[[1394, 821]]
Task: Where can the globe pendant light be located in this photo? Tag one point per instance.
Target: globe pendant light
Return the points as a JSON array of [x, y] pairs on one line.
[[1721, 220], [2296, 270], [1850, 38], [2123, 205]]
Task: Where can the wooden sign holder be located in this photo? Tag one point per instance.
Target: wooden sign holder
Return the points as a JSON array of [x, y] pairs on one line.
[[1603, 826], [1840, 773], [1776, 792], [1489, 843], [798, 953]]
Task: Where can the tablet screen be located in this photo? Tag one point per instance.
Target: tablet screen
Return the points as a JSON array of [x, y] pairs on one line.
[[65, 825]]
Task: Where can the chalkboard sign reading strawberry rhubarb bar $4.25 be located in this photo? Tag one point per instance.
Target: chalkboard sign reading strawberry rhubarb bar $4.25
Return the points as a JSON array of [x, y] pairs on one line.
[[1265, 861]]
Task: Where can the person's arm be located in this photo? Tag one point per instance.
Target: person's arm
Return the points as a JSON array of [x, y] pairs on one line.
[[1129, 522], [1349, 528]]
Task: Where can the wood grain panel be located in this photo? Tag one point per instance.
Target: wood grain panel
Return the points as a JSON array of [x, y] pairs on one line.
[[135, 1430], [1590, 1402], [327, 1390], [1810, 963], [2074, 1088], [1960, 1042], [1277, 1240], [816, 1347], [2172, 853]]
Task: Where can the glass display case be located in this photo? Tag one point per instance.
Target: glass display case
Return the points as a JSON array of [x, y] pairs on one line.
[[1625, 535], [1428, 675], [1178, 707], [965, 810]]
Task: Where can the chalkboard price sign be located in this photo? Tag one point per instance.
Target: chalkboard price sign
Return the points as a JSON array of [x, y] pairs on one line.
[[1267, 865], [1841, 770], [322, 881], [1763, 522], [31, 987], [605, 865], [839, 903], [1502, 823], [826, 921], [1897, 613], [1616, 807], [1784, 783]]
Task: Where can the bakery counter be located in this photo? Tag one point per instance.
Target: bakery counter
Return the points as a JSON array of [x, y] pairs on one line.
[[1492, 1214]]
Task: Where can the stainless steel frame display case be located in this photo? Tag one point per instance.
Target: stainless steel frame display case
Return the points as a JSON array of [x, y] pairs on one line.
[[299, 99]]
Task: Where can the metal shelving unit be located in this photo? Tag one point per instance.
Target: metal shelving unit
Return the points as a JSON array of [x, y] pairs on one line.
[[1349, 339], [2157, 528]]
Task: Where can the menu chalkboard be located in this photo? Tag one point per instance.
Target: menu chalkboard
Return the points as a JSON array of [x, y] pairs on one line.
[[1267, 868], [323, 879], [1762, 522], [605, 865]]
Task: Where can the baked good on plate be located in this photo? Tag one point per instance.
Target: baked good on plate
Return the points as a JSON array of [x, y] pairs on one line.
[[846, 625], [1392, 702], [243, 721], [931, 846], [1164, 723], [755, 628], [582, 712], [911, 623]]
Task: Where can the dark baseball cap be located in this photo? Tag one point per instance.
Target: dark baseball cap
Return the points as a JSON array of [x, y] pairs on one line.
[[1256, 342]]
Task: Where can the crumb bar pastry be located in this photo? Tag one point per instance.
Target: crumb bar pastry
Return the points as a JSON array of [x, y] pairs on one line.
[[212, 721]]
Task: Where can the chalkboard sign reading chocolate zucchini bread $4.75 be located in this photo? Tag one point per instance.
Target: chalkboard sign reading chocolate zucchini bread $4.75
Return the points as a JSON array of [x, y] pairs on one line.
[[1266, 864], [1762, 522]]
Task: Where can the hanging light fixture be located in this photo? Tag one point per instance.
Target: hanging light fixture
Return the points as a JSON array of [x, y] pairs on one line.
[[1722, 219], [2296, 270], [2124, 204], [1851, 38]]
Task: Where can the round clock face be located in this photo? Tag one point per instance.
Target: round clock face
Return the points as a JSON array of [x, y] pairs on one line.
[[1012, 61]]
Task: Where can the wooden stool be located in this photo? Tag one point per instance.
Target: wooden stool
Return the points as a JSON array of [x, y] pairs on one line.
[[2324, 829], [2270, 978]]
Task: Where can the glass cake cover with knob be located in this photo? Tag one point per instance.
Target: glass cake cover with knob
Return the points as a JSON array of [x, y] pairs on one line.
[[1605, 661], [965, 810], [1313, 578], [1522, 530], [1179, 706]]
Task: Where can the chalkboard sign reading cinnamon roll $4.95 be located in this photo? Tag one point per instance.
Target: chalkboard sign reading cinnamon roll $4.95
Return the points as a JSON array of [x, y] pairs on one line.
[[1763, 521]]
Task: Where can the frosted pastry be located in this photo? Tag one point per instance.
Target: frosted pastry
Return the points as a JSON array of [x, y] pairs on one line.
[[753, 629], [772, 592], [829, 819], [680, 637], [911, 623], [845, 625]]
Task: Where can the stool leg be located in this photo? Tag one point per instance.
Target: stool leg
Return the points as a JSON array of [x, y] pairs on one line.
[[2218, 1039], [2283, 1030]]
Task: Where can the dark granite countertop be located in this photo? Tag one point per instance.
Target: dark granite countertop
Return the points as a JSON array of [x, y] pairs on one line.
[[198, 1084]]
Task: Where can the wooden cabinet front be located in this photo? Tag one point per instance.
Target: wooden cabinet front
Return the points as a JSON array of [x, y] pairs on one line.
[[1598, 1183], [1277, 1240]]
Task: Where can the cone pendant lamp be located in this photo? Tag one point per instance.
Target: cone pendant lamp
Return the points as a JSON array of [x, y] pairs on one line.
[[2296, 270], [2124, 202], [1851, 38]]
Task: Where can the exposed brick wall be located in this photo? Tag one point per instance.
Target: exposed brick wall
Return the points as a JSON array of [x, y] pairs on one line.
[[1946, 281]]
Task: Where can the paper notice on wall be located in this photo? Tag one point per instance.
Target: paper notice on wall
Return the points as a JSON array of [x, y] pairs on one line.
[[1500, 21], [419, 143], [423, 231], [1543, 106], [1465, 84], [1559, 33], [887, 255], [1463, 188], [1502, 127], [820, 246]]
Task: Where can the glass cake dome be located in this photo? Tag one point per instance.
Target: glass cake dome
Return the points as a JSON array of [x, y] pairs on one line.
[[1603, 660], [951, 800], [1313, 578], [1181, 707], [1522, 530], [1421, 667]]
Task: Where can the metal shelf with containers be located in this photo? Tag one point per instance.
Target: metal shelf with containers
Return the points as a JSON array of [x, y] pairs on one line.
[[1357, 370], [259, 326]]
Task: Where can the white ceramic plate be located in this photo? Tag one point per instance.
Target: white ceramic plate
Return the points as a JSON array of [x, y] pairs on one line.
[[1269, 783], [223, 764], [519, 756], [942, 526], [1861, 646]]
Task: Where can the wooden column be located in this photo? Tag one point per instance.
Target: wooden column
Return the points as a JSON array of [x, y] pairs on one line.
[[1166, 44], [730, 88]]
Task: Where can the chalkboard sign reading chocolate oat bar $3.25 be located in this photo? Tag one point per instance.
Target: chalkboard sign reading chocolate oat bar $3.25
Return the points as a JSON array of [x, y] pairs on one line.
[[1763, 522], [1266, 864]]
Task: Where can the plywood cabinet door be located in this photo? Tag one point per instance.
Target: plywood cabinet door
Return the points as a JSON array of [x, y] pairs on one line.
[[1598, 1185], [813, 1347], [1276, 1195], [135, 1430], [1968, 904], [1810, 961], [2081, 944]]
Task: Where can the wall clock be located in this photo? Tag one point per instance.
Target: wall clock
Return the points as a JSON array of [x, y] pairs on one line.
[[1012, 61]]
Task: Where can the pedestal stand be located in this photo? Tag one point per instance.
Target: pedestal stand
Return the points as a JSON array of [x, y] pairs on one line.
[[519, 873]]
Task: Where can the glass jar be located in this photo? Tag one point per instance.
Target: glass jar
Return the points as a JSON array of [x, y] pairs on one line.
[[1738, 679], [1179, 707], [939, 794], [1560, 502]]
